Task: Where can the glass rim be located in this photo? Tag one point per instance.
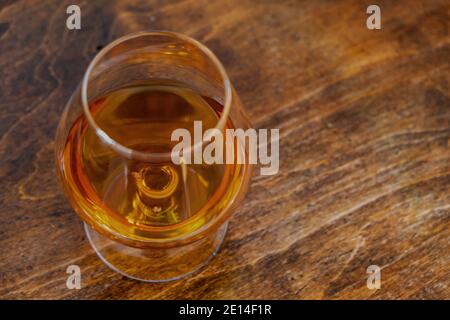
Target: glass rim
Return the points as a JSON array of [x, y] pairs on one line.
[[155, 156]]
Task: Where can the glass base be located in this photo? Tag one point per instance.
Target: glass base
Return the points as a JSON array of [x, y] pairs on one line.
[[156, 265]]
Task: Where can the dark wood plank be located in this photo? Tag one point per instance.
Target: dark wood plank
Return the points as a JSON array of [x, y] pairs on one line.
[[365, 132]]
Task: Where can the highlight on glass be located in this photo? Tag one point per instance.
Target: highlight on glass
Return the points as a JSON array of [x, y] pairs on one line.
[[147, 217]]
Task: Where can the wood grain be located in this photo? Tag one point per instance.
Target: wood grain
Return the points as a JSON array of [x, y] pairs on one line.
[[364, 118]]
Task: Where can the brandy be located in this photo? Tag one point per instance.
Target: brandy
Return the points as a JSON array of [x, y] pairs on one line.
[[139, 199]]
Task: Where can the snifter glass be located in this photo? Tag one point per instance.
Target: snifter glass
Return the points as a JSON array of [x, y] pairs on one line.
[[147, 217]]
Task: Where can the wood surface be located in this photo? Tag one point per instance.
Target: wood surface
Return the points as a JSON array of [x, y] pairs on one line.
[[364, 118]]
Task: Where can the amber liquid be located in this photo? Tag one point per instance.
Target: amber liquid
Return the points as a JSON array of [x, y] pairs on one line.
[[136, 198]]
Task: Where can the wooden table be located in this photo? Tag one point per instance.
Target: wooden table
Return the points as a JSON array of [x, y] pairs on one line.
[[364, 118]]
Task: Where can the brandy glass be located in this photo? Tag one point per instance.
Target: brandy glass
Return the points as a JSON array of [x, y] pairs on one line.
[[146, 216]]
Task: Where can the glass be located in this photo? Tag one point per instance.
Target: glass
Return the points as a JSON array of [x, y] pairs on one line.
[[146, 216]]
